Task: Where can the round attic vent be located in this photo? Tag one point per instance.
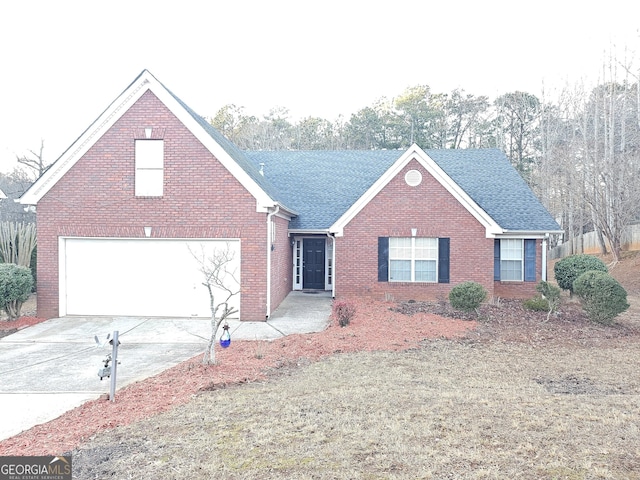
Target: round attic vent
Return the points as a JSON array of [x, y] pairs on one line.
[[413, 178]]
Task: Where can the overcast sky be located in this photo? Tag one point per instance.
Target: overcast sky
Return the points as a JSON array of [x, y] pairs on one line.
[[64, 62]]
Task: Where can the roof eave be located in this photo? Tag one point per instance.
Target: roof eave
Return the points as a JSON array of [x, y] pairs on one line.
[[309, 231], [527, 233], [88, 138], [282, 210]]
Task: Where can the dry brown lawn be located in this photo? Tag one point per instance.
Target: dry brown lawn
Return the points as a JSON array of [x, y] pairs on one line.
[[472, 408], [509, 396], [447, 410]]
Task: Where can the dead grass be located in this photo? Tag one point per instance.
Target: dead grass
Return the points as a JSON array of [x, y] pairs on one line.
[[515, 398], [449, 409]]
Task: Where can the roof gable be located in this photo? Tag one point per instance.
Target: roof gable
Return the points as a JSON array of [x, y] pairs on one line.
[[227, 154], [434, 169], [328, 188]]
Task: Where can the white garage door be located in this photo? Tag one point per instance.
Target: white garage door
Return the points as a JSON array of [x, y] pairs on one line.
[[138, 277]]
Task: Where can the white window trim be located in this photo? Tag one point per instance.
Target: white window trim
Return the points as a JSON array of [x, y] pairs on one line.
[[328, 264], [413, 261], [149, 165], [521, 259], [297, 263]]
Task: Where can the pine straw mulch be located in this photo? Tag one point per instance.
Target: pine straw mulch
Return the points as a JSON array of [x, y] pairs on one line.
[[28, 318], [376, 326], [508, 321], [7, 327]]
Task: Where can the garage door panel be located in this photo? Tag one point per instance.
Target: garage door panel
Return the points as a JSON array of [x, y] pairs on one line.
[[138, 277]]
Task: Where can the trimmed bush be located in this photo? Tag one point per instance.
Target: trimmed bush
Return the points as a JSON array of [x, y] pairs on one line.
[[343, 312], [603, 298], [536, 303], [16, 283], [467, 296], [570, 268]]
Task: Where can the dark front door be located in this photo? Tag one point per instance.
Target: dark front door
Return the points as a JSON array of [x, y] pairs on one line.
[[313, 263]]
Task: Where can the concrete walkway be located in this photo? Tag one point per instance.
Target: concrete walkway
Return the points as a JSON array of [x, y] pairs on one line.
[[50, 368]]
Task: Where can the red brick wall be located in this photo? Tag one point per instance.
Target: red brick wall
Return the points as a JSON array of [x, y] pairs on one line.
[[393, 213], [201, 200], [281, 263], [434, 213]]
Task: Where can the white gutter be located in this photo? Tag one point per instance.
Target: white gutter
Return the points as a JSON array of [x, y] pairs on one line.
[[269, 244], [544, 257], [525, 234], [333, 264], [318, 231]]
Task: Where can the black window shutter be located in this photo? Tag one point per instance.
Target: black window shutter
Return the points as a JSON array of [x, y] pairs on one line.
[[383, 259], [530, 260], [443, 260], [496, 260]]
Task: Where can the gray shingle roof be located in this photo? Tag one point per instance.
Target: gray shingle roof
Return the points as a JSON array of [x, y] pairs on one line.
[[322, 185], [488, 177]]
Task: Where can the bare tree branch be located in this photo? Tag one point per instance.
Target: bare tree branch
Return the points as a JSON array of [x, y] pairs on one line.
[[36, 163], [219, 271]]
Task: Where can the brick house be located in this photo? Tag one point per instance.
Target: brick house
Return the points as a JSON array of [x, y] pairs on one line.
[[125, 212]]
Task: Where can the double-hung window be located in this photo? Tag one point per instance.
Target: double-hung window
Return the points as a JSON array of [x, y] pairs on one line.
[[511, 259], [149, 162], [413, 259]]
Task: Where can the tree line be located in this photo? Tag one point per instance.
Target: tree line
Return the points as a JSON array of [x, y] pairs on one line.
[[580, 152], [587, 160]]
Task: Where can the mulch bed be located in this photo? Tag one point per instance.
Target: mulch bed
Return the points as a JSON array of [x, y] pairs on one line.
[[376, 326], [7, 327], [382, 326]]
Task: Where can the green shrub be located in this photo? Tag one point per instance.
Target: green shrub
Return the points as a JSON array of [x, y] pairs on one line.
[[33, 265], [603, 298], [467, 296], [536, 303], [16, 283], [570, 268], [551, 294], [344, 312]]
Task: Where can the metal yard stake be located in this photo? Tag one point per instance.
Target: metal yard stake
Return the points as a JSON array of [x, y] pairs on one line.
[[114, 366], [110, 364]]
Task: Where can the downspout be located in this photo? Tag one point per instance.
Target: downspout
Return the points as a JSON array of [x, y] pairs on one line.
[[333, 264], [269, 245], [544, 257]]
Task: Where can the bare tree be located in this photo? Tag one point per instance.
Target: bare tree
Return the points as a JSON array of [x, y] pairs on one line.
[[558, 178], [612, 141], [220, 279], [35, 162], [588, 170]]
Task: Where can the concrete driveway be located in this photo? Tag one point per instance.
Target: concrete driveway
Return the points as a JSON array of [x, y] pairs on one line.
[[52, 367]]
